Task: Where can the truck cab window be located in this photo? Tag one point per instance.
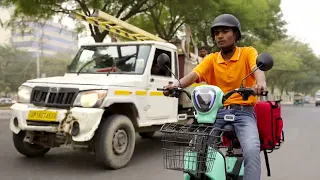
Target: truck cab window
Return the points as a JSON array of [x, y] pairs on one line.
[[155, 70]]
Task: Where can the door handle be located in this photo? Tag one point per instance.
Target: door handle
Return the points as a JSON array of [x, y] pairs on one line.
[[151, 80]]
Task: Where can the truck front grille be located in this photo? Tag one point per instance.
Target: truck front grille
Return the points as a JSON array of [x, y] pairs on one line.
[[53, 97]]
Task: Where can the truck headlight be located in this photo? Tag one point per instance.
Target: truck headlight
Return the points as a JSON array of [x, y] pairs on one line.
[[24, 94], [93, 98]]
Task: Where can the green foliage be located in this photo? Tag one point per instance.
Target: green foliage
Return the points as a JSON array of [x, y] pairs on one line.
[[17, 66], [55, 66], [40, 11], [295, 67], [13, 67], [169, 16], [259, 18], [260, 21], [262, 26]]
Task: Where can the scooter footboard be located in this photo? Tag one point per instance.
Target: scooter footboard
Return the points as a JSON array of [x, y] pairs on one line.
[[235, 167], [217, 168]]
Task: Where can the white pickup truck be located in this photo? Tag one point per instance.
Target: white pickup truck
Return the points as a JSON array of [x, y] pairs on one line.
[[108, 93]]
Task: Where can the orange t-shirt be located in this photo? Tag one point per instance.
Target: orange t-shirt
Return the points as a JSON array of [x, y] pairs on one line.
[[227, 75]]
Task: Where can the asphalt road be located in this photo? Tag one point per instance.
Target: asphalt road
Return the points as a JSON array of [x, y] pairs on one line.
[[4, 114], [297, 159]]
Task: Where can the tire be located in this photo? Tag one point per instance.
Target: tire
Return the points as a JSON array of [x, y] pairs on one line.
[[110, 130], [27, 149], [147, 135]]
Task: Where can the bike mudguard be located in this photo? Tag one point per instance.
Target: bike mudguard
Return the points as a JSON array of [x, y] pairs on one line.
[[218, 170]]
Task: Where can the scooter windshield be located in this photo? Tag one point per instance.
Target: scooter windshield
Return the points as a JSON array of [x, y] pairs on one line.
[[204, 98]]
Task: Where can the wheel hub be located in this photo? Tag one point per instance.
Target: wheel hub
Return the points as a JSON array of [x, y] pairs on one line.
[[120, 141]]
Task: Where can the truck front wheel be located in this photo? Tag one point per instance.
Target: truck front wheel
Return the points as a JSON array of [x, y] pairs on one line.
[[115, 141], [27, 149]]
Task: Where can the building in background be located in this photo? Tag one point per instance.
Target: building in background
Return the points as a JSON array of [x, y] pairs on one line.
[[46, 39]]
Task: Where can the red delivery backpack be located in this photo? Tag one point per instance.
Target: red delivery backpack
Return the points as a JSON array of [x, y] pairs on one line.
[[270, 126]]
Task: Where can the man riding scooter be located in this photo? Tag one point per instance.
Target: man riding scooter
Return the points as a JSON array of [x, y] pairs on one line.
[[226, 69]]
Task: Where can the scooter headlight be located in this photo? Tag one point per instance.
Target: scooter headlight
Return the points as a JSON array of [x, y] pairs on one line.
[[203, 98]]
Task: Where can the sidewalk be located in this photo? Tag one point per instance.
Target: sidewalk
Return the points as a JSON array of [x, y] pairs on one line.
[[288, 102]]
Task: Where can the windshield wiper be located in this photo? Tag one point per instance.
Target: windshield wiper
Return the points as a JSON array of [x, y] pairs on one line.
[[90, 62], [121, 60]]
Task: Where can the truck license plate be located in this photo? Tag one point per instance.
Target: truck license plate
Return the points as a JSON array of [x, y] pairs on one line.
[[42, 115]]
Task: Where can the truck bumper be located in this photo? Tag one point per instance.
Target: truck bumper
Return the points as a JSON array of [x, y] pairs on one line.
[[87, 119]]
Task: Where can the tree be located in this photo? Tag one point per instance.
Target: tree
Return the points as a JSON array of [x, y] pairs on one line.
[[14, 64], [19, 66], [295, 67], [169, 16], [56, 65], [35, 10], [309, 76], [261, 20]]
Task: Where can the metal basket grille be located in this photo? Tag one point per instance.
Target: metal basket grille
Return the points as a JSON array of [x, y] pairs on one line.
[[184, 147]]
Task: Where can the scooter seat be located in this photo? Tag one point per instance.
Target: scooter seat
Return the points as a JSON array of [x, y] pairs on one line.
[[230, 131], [230, 136]]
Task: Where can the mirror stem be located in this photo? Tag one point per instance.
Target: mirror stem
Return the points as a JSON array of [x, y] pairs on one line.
[[173, 75], [256, 68]]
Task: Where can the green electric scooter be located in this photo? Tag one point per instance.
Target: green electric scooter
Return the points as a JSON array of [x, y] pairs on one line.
[[195, 148]]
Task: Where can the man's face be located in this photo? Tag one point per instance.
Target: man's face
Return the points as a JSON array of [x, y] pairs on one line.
[[224, 37], [203, 53]]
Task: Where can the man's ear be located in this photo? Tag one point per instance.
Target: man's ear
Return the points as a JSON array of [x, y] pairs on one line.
[[235, 34]]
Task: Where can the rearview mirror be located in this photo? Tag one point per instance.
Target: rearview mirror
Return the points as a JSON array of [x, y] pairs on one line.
[[264, 62], [163, 61]]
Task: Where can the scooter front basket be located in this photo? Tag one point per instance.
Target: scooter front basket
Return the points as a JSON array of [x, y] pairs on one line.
[[190, 148]]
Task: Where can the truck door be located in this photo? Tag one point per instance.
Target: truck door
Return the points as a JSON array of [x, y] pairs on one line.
[[161, 107]]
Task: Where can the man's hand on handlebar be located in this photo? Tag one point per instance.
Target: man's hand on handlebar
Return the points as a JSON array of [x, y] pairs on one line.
[[260, 89], [169, 88], [173, 90]]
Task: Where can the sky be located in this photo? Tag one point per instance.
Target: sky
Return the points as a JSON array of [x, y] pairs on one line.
[[303, 17]]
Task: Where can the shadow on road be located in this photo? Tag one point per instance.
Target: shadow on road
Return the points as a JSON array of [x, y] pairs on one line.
[[74, 161]]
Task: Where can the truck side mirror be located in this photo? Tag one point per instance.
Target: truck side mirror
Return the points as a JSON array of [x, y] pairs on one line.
[[163, 61]]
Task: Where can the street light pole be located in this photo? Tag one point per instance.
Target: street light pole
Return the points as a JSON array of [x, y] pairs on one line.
[[38, 62]]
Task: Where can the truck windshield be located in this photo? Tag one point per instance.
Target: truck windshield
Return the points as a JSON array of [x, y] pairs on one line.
[[119, 59]]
